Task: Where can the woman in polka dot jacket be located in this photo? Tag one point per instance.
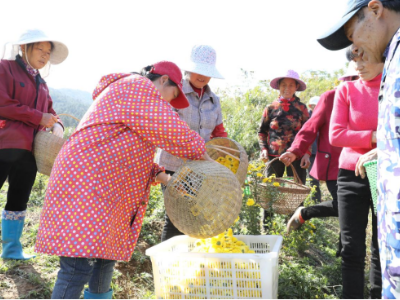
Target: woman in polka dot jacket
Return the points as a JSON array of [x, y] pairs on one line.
[[100, 183]]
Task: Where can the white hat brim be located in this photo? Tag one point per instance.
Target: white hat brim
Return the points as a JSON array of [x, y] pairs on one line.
[[58, 54], [203, 69]]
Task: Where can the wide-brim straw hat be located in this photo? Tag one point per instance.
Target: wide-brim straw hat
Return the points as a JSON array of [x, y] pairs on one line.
[[58, 54], [289, 74], [350, 72], [202, 61]]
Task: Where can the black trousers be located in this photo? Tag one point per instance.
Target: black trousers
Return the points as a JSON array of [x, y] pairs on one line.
[[326, 208], [354, 202], [169, 229], [314, 181], [20, 167]]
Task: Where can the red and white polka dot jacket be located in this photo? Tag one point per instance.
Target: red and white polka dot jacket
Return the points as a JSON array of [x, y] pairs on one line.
[[100, 183]]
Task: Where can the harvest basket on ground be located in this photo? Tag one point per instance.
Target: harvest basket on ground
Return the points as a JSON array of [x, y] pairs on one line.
[[203, 199], [181, 274], [233, 154], [282, 194], [45, 149], [372, 174]]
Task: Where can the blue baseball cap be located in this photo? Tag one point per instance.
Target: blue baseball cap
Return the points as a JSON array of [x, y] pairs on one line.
[[335, 38]]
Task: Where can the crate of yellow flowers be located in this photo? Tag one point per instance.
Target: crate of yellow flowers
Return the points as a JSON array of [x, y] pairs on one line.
[[224, 266]]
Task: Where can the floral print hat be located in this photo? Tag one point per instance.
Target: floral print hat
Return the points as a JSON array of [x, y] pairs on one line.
[[202, 61], [289, 74]]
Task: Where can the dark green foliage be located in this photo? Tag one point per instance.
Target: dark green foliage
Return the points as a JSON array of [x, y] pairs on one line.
[[71, 102]]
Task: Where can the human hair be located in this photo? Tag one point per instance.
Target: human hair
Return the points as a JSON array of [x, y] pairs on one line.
[[280, 80], [349, 53], [360, 14], [30, 46], [393, 5], [146, 72]]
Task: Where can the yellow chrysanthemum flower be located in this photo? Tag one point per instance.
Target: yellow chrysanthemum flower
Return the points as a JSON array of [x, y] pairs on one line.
[[276, 184], [230, 158], [250, 202], [221, 160]]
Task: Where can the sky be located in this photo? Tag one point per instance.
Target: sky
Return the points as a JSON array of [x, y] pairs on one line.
[[265, 36]]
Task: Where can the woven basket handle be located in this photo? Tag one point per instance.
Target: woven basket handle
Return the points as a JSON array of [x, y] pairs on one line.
[[220, 150], [296, 177], [218, 147], [69, 116]]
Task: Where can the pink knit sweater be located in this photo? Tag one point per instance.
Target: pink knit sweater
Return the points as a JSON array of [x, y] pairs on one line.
[[354, 118]]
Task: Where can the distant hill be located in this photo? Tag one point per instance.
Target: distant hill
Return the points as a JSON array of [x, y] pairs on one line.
[[72, 102]]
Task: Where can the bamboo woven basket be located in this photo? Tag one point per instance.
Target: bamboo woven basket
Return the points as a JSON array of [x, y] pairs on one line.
[[203, 199], [219, 147], [45, 149], [290, 194]]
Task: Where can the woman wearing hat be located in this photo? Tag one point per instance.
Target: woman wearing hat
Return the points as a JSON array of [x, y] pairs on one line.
[[100, 183], [26, 108], [281, 120], [326, 163], [203, 115]]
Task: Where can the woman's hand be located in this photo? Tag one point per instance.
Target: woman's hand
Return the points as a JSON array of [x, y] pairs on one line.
[[48, 120], [163, 178], [264, 155], [305, 161], [369, 156], [57, 130], [287, 158]]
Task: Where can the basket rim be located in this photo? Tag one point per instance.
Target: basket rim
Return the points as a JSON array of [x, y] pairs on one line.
[[160, 249], [370, 163], [233, 142], [301, 187]]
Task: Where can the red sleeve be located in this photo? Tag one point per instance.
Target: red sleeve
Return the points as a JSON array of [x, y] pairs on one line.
[[10, 108], [156, 169], [263, 130], [154, 120], [308, 133], [339, 134], [219, 131]]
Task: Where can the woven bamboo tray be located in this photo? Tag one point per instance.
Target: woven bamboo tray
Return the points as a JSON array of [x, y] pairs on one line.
[[219, 147], [203, 199]]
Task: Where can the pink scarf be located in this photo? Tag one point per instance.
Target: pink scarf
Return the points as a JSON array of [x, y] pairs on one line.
[[30, 70]]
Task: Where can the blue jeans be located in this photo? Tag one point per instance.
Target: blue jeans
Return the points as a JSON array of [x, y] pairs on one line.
[[75, 272]]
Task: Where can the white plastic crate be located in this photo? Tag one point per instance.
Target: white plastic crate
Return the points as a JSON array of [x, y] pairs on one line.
[[181, 274]]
